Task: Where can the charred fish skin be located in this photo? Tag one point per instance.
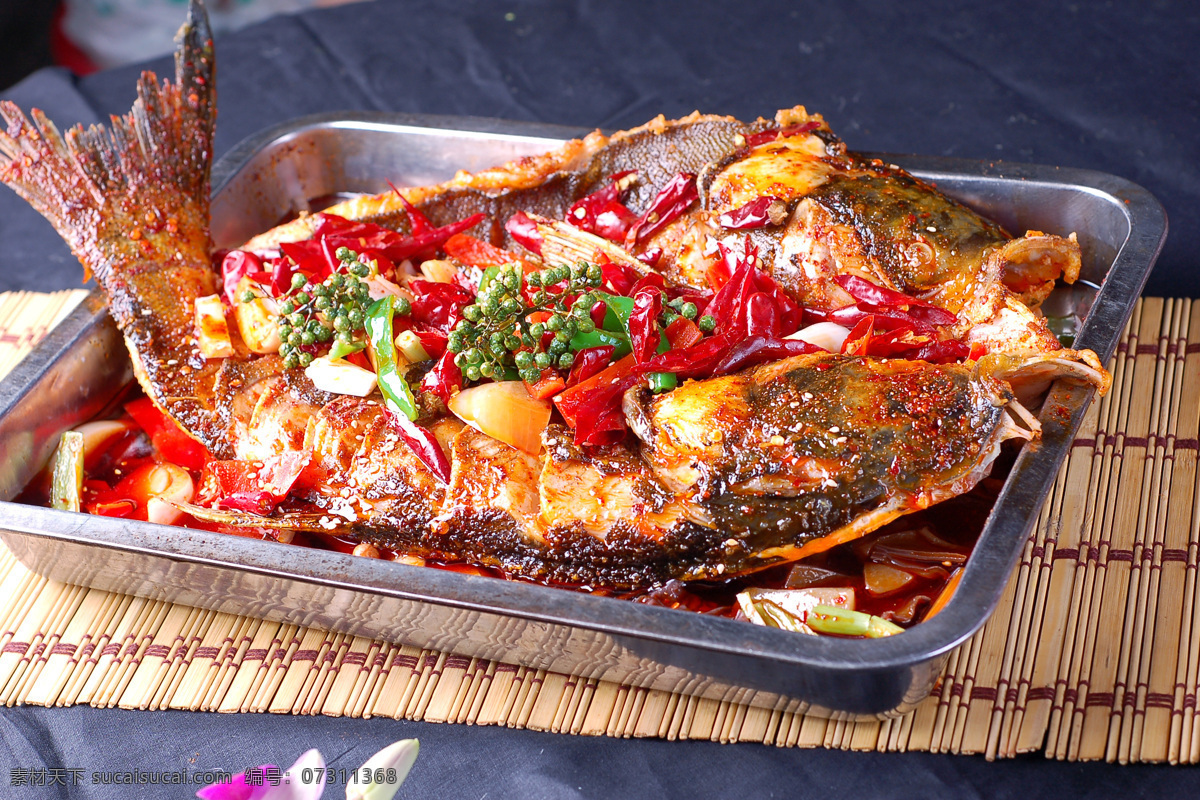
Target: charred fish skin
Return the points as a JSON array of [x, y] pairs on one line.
[[787, 454]]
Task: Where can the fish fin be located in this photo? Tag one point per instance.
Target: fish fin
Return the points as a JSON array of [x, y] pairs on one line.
[[563, 243], [162, 146]]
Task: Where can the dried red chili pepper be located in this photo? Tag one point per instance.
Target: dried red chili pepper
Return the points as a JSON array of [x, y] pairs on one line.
[[438, 305], [771, 134], [671, 202], [643, 323], [758, 213], [651, 280], [864, 291], [650, 256], [418, 223], [858, 340], [524, 232], [762, 316], [944, 352], [476, 252], [236, 265], [602, 212], [444, 379], [617, 278], [759, 349], [588, 362], [433, 342], [423, 444]]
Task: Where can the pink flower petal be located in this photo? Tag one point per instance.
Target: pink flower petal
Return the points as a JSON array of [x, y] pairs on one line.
[[304, 780], [243, 786]]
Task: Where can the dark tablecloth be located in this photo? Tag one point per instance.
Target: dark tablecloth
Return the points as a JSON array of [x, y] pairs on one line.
[[1109, 87]]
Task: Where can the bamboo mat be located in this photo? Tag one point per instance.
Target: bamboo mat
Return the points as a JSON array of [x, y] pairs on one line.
[[1093, 653]]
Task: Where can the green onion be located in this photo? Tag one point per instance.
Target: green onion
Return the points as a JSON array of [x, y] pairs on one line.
[[67, 485], [841, 621], [396, 394], [410, 345]]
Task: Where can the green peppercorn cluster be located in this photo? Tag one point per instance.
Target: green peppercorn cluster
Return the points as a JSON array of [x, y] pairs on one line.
[[496, 335], [313, 314]]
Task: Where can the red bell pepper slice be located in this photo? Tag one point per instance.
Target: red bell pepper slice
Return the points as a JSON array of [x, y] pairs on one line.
[[258, 502], [476, 252], [167, 437], [279, 472], [102, 500], [682, 333], [549, 384]]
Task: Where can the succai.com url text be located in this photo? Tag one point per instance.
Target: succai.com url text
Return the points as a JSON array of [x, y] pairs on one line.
[[75, 776]]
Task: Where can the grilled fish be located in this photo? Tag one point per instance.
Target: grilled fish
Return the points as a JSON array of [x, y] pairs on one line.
[[724, 475]]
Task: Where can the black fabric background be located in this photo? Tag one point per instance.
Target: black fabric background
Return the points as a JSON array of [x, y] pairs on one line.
[[1110, 87]]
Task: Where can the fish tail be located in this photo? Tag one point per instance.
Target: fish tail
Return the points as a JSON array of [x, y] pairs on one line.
[[93, 184], [132, 202]]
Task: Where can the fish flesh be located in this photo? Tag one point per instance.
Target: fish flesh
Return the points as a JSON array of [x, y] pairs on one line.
[[721, 476]]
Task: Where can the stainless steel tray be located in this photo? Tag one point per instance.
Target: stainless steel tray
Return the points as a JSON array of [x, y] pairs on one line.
[[82, 365]]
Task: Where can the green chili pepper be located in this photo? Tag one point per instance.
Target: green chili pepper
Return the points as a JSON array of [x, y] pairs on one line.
[[616, 320], [396, 393], [340, 349], [599, 338], [662, 381], [616, 311], [67, 485]]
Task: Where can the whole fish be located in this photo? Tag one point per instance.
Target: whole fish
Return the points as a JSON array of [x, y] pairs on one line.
[[722, 476]]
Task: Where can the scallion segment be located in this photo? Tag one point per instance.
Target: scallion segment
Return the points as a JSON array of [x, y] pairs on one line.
[[67, 484], [843, 622]]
